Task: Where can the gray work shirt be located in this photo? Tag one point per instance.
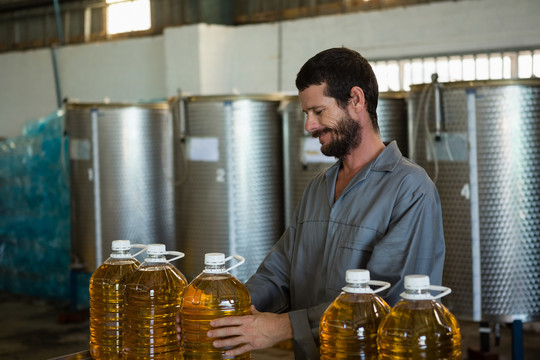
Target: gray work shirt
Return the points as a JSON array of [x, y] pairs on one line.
[[387, 220]]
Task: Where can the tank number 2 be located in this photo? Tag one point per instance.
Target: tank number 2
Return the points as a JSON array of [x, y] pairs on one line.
[[220, 175]]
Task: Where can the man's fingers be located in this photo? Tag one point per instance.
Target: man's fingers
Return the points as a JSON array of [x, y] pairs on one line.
[[228, 321], [225, 332], [229, 342], [239, 350]]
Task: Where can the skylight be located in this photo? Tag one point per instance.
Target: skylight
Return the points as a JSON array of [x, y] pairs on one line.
[[128, 15]]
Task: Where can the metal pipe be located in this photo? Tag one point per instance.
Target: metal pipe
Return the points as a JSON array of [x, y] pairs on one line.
[[475, 207], [58, 22], [95, 177], [438, 121], [497, 332], [517, 340], [53, 53], [56, 77], [485, 331]]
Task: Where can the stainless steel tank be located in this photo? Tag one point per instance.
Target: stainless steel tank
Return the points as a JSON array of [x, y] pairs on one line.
[[480, 145], [122, 177], [230, 199], [302, 156]]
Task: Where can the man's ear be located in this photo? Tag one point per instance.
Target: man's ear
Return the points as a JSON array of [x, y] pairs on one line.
[[358, 100]]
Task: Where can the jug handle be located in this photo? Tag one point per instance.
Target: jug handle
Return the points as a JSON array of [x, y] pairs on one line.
[[383, 285], [140, 246], [444, 290], [178, 254], [240, 259]]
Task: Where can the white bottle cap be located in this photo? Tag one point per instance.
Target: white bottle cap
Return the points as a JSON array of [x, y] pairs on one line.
[[357, 276], [155, 249], [416, 282], [121, 245], [214, 259]]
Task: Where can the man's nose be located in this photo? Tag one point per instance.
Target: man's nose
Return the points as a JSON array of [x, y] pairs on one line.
[[310, 124]]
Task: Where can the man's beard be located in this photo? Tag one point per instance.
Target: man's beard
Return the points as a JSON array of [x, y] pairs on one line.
[[345, 137]]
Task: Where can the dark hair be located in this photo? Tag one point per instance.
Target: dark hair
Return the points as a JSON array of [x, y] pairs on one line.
[[341, 69]]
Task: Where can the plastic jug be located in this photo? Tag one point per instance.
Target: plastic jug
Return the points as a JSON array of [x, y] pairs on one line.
[[212, 294], [152, 300], [418, 326], [107, 300], [348, 327]]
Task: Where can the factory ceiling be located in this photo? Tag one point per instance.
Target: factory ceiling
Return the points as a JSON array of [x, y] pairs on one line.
[[7, 6], [26, 24]]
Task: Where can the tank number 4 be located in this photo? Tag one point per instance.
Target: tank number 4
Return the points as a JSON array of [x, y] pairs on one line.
[[466, 192]]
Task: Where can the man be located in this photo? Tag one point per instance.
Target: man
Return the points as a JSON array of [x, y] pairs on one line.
[[373, 209]]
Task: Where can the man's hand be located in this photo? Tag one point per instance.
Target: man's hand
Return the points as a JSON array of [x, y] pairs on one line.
[[250, 332]]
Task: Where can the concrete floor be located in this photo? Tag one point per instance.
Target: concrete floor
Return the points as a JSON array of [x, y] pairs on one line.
[[34, 329]]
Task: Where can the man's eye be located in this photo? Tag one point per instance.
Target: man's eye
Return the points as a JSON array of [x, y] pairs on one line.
[[318, 112]]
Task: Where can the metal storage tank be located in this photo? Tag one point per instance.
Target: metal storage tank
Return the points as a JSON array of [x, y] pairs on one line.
[[485, 160], [122, 177], [231, 195], [302, 155]]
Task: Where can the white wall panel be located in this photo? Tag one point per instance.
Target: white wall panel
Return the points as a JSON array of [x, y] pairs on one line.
[[26, 89], [216, 59], [182, 59], [213, 59], [128, 70], [255, 64]]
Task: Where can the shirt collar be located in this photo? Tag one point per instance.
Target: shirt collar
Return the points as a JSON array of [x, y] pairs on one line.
[[388, 158], [386, 161]]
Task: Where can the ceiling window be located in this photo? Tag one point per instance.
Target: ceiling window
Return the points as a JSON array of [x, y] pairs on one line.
[[127, 15]]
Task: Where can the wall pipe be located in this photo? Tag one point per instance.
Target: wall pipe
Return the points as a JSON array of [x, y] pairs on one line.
[[56, 77], [53, 53], [58, 21]]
